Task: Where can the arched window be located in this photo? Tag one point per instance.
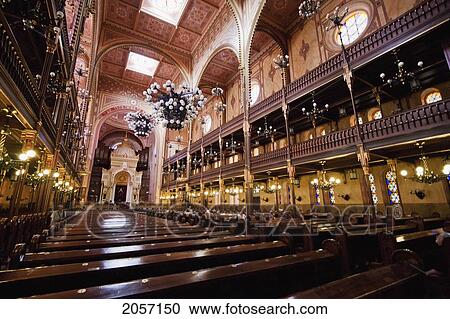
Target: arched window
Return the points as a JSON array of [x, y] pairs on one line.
[[256, 92], [317, 194], [392, 187], [353, 120], [431, 96], [332, 196], [354, 26], [375, 114], [207, 124]]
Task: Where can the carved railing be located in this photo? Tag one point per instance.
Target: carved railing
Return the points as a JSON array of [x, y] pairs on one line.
[[13, 62], [234, 169], [415, 21], [266, 106], [425, 121], [268, 159]]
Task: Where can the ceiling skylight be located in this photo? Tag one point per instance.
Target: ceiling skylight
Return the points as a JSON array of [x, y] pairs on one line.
[[142, 64], [166, 10]]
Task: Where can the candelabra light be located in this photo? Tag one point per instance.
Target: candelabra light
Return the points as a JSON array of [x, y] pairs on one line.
[[211, 154], [174, 109], [140, 123], [423, 173], [232, 145], [315, 112], [281, 62], [267, 131], [402, 76], [308, 8], [323, 182]]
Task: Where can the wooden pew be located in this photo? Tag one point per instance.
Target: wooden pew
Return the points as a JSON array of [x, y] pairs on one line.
[[399, 280], [268, 278], [88, 255], [146, 233], [361, 247], [422, 242], [120, 230], [27, 282], [114, 242]]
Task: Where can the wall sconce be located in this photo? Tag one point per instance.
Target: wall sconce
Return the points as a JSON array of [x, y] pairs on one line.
[[299, 199], [419, 193], [265, 199], [345, 197]]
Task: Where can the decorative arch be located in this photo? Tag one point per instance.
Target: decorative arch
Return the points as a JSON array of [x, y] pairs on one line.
[[220, 48]]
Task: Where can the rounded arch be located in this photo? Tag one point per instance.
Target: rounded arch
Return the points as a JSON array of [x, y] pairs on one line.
[[225, 46], [128, 43], [374, 113], [430, 95], [278, 38]]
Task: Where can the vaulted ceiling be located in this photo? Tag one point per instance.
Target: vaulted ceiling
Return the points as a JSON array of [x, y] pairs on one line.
[[126, 16], [154, 22], [114, 64]]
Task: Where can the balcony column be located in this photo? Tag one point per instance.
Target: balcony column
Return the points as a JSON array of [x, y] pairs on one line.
[[245, 99], [188, 160], [363, 159], [45, 187], [28, 137], [221, 163]]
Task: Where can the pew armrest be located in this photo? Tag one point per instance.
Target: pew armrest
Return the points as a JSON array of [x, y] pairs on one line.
[[17, 255]]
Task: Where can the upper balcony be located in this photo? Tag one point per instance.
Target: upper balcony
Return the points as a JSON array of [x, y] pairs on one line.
[[425, 121], [424, 17]]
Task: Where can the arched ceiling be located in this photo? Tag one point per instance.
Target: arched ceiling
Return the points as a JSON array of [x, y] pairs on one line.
[[138, 17], [282, 14], [260, 41], [222, 68]]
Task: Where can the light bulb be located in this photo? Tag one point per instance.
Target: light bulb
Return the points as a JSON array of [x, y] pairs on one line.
[[56, 175], [404, 173], [23, 157], [446, 169], [46, 172], [420, 171], [31, 153]]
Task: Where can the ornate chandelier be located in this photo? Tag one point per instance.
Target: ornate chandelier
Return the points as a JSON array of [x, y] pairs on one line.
[[140, 123], [425, 175], [174, 109], [232, 145], [402, 76], [267, 131], [281, 61], [315, 112], [308, 8], [323, 182]]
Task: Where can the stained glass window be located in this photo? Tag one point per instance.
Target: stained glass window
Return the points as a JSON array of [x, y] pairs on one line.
[[354, 25], [432, 97], [373, 189], [391, 182], [377, 115], [317, 194], [332, 196]]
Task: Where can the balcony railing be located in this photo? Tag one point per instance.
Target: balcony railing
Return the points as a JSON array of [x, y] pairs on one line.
[[425, 121]]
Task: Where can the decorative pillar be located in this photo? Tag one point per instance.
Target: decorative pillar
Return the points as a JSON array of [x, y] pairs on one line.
[[248, 177], [28, 137], [393, 167]]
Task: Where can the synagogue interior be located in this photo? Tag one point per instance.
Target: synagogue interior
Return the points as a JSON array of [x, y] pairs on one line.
[[223, 148]]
